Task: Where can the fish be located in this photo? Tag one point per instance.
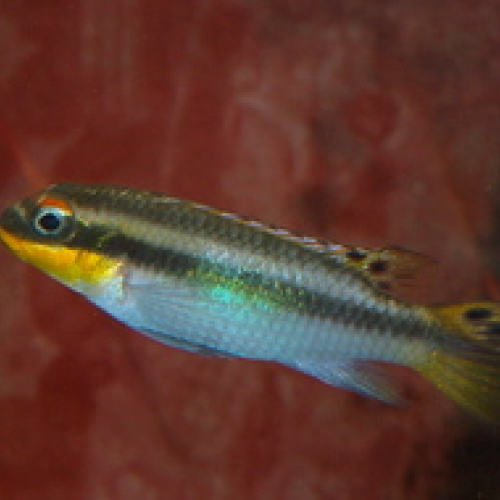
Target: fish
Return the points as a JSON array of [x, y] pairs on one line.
[[215, 283]]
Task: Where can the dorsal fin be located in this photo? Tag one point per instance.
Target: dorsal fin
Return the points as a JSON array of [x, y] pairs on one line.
[[390, 268]]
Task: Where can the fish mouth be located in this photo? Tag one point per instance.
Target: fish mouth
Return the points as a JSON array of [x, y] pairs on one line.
[[11, 223]]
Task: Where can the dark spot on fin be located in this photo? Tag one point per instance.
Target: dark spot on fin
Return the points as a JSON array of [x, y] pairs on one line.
[[478, 314], [356, 254], [378, 266], [477, 322]]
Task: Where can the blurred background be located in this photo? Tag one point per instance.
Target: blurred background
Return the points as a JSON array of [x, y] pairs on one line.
[[362, 122]]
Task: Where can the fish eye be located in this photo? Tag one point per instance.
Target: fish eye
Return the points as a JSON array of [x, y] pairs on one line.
[[49, 221]]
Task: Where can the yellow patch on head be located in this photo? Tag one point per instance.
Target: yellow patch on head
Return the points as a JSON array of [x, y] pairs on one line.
[[69, 265]]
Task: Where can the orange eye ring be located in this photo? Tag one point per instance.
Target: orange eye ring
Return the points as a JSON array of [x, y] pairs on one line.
[[55, 203]]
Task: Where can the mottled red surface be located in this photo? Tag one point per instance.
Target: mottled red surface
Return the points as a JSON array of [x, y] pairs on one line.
[[360, 121]]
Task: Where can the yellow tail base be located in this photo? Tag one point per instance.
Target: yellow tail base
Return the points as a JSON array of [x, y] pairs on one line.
[[466, 366]]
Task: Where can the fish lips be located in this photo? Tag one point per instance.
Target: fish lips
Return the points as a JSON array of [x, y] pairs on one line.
[[12, 222]]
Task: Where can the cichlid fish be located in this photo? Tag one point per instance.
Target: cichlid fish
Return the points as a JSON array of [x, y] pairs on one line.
[[215, 283]]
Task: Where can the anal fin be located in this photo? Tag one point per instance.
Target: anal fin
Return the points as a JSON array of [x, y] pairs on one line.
[[359, 376]]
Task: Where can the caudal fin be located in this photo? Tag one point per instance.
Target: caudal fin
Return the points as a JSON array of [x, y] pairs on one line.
[[466, 366]]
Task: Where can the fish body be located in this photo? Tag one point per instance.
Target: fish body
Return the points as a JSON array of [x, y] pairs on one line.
[[215, 283]]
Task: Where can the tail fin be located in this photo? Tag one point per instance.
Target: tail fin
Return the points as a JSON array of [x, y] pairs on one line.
[[466, 366]]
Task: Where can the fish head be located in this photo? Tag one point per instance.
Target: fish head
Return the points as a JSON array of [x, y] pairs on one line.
[[46, 231]]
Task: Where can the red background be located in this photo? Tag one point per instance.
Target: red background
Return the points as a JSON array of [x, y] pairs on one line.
[[359, 121]]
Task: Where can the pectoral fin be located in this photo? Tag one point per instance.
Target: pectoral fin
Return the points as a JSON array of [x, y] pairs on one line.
[[176, 341], [180, 317]]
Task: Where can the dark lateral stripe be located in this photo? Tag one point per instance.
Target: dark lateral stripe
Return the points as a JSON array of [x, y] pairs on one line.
[[208, 273]]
